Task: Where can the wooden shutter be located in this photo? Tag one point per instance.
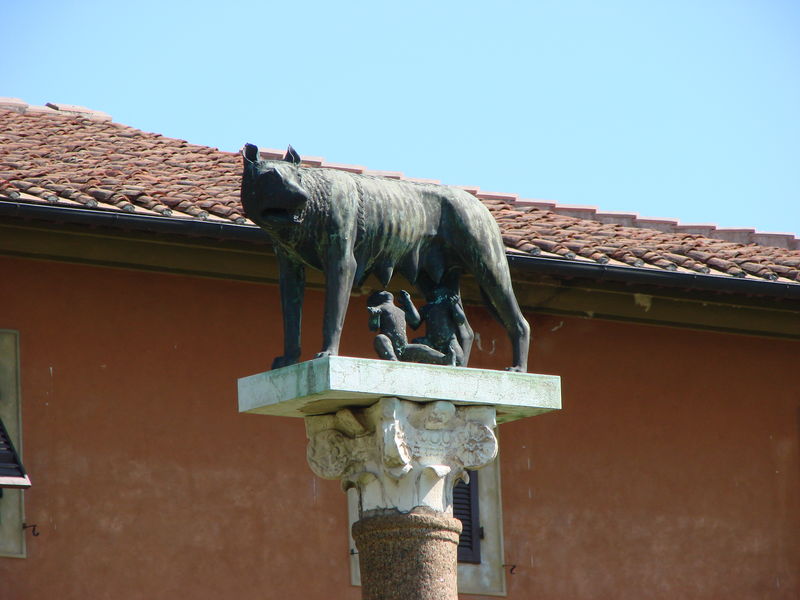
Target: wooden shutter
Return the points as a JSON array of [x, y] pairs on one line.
[[465, 508], [12, 473]]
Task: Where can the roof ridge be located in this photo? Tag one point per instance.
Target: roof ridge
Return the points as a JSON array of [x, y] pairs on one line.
[[22, 107], [592, 213], [93, 163], [669, 225]]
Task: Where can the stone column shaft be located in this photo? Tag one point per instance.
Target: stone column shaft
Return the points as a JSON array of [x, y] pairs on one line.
[[410, 556]]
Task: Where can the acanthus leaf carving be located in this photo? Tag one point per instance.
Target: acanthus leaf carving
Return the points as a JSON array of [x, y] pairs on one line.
[[402, 454]]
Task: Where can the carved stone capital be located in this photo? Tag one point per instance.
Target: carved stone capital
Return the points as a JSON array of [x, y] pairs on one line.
[[401, 454]]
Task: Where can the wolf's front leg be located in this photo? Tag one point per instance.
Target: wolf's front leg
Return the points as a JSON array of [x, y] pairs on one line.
[[339, 274], [292, 286]]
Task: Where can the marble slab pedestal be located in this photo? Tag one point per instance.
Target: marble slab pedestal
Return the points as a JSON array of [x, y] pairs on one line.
[[402, 435]]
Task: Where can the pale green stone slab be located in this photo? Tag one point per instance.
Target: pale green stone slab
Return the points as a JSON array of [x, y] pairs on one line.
[[324, 385]]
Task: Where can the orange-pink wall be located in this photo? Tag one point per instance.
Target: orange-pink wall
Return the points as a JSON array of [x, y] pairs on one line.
[[672, 471]]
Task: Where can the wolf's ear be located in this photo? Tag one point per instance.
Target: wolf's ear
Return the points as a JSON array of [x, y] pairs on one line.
[[250, 152], [292, 156]]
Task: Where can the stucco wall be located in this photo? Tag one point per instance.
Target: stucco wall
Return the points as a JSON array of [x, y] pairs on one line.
[[672, 471]]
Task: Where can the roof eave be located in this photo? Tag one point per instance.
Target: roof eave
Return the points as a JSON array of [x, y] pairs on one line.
[[568, 269], [561, 268], [120, 220]]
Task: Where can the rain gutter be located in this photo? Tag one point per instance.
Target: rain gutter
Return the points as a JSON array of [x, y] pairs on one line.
[[132, 222], [560, 268], [568, 269]]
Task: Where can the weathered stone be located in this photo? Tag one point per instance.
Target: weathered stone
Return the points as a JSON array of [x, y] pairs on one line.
[[408, 556], [324, 385], [407, 455], [401, 435]]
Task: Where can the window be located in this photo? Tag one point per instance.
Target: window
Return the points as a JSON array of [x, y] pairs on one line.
[[12, 515], [466, 508], [12, 473]]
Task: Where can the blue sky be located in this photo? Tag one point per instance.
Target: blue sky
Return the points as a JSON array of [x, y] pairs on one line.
[[682, 109]]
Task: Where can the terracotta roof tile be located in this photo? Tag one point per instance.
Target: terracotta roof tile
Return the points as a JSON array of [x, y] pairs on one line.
[[74, 156]]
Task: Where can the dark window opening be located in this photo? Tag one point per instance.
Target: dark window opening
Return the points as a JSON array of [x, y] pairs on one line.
[[12, 473], [465, 508]]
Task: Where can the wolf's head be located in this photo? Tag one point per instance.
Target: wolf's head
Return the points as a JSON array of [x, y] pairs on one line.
[[272, 193]]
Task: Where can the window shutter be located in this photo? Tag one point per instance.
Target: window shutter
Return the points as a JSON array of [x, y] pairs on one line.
[[465, 508], [12, 473]]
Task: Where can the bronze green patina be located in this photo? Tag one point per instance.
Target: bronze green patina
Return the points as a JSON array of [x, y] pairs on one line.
[[445, 321], [350, 226], [391, 343], [443, 317]]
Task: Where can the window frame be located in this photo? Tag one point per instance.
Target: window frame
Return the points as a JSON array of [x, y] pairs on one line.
[[12, 501]]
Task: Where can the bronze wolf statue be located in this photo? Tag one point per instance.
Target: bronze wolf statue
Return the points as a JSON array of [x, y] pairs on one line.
[[350, 226]]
